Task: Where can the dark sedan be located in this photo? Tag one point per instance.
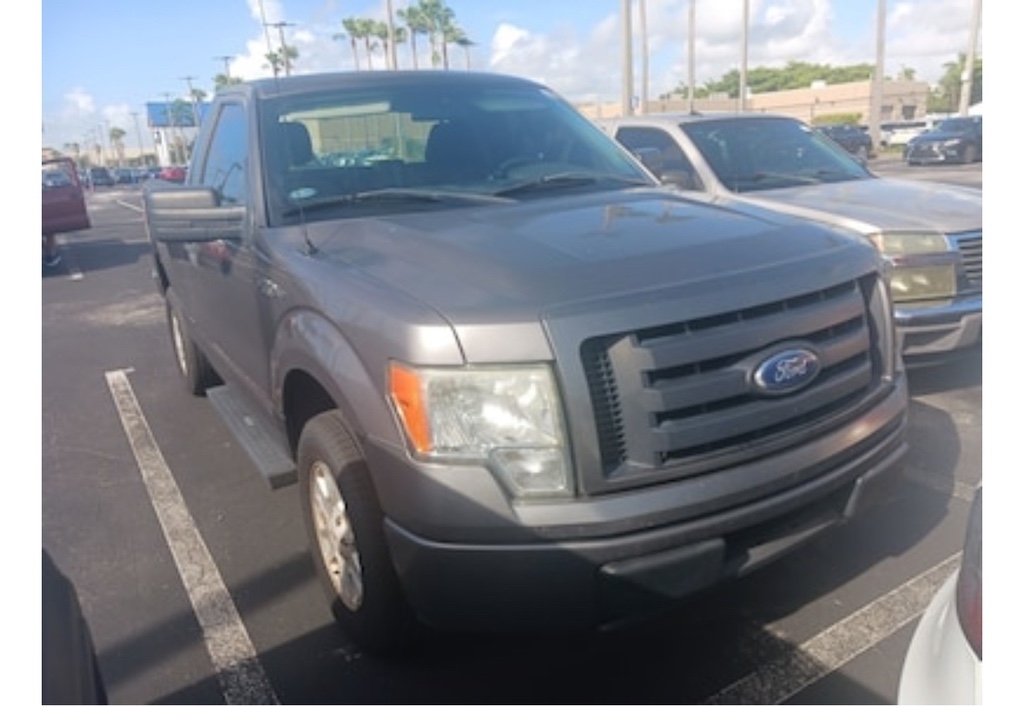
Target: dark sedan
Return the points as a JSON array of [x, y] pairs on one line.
[[952, 140], [851, 138], [100, 177]]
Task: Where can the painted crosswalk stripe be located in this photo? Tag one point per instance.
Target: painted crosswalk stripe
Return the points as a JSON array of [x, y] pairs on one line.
[[234, 658]]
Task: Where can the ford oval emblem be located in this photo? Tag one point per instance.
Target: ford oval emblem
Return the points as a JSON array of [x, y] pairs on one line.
[[786, 371]]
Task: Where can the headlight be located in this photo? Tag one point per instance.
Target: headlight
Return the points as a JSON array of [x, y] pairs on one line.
[[952, 142], [507, 418], [912, 277]]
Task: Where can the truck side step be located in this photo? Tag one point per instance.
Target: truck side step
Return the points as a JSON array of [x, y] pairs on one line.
[[265, 445]]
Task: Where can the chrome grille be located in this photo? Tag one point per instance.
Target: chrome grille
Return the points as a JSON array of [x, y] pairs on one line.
[[678, 397], [969, 245]]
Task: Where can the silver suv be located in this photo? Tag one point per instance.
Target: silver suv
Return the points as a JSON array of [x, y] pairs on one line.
[[929, 233]]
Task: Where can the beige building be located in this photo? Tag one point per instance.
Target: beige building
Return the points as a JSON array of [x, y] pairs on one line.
[[901, 100]]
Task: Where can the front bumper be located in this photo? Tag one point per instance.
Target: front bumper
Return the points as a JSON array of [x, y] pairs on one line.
[[611, 571], [939, 329]]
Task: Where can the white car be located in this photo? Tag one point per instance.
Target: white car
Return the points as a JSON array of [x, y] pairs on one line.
[[943, 663]]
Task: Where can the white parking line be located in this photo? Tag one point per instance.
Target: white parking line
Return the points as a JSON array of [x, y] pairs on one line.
[[234, 658], [803, 665]]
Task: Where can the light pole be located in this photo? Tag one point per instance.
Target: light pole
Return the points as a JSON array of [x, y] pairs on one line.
[[875, 108], [284, 47], [644, 63], [192, 97], [227, 65], [743, 59], [627, 58], [138, 136], [967, 80], [692, 54]]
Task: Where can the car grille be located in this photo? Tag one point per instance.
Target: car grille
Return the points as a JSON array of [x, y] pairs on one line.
[[969, 246], [676, 400]]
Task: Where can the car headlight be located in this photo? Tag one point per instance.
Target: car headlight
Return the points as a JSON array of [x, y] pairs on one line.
[[507, 418], [915, 273], [952, 142]]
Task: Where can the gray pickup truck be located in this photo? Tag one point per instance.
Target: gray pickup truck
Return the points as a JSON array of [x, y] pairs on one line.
[[520, 384]]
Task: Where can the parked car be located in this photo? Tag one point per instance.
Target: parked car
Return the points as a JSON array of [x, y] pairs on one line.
[[943, 663], [931, 234], [172, 174], [100, 177], [952, 140], [63, 205], [852, 138], [125, 175], [899, 132], [520, 384]]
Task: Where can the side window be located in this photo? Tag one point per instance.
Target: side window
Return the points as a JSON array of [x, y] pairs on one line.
[[674, 160], [225, 167]]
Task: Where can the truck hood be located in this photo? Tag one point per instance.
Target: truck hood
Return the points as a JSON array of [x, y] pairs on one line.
[[874, 204], [521, 262]]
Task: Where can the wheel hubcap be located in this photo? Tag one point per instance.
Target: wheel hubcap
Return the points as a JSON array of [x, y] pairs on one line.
[[335, 539]]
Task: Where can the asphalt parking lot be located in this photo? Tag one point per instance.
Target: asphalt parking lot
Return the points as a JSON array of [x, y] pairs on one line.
[[157, 516]]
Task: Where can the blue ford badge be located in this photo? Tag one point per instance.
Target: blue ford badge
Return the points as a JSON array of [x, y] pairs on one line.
[[787, 371]]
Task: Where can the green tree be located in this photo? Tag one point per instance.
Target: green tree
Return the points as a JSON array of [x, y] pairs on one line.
[[365, 31], [116, 136], [222, 80], [351, 25], [465, 43], [380, 33], [415, 24], [945, 97]]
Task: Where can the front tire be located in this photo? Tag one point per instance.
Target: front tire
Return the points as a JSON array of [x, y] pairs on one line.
[[193, 365], [346, 530]]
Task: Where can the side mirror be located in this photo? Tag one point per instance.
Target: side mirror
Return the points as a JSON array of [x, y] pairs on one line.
[[191, 214], [680, 179]]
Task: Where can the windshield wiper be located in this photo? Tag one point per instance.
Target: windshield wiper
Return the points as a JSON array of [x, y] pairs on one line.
[[562, 180], [393, 194], [785, 176]]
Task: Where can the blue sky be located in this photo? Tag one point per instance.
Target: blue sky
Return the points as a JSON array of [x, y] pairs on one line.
[[102, 60]]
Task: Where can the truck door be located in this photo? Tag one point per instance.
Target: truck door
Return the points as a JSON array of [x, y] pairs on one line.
[[225, 304]]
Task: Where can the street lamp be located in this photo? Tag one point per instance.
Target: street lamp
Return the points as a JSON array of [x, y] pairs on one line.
[[284, 47]]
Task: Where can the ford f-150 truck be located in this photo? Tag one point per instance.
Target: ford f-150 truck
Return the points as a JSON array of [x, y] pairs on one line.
[[519, 383]]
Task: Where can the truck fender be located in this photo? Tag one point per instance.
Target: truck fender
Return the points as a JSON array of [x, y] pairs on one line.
[[310, 343]]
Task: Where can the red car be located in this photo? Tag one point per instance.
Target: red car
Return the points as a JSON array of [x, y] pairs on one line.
[[63, 205], [172, 174]]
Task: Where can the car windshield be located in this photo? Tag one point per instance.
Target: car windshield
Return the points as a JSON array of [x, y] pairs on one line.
[[770, 153], [396, 150], [956, 125]]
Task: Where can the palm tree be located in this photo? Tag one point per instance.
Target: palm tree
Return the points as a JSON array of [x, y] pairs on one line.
[[222, 80], [116, 136], [352, 33], [379, 35], [437, 17], [365, 31], [275, 61], [465, 42], [415, 23], [451, 33]]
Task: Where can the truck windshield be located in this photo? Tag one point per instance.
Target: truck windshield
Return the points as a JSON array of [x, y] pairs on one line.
[[770, 153], [322, 148]]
